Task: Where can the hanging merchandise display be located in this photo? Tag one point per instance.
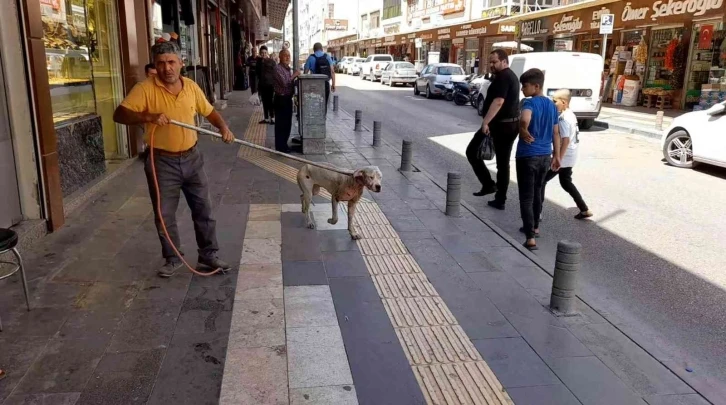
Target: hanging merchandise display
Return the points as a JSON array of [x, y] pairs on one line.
[[641, 52], [706, 77], [678, 65]]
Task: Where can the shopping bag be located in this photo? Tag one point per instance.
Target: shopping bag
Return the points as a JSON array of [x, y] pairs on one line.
[[486, 148], [255, 99]]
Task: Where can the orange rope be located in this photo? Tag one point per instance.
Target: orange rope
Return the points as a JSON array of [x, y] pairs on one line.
[[161, 217]]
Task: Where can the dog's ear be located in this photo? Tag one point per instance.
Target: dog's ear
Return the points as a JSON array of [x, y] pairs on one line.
[[359, 176]]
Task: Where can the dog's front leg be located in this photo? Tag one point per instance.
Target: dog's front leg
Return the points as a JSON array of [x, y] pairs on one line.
[[351, 213], [334, 219]]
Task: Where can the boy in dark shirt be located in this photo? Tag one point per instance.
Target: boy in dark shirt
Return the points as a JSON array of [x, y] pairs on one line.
[[538, 132]]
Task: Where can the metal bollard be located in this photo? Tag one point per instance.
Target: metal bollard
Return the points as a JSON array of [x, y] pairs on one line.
[[406, 154], [453, 194], [376, 133], [358, 119], [335, 102], [564, 283]]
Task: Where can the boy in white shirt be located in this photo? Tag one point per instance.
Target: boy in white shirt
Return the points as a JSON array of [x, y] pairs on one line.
[[569, 133]]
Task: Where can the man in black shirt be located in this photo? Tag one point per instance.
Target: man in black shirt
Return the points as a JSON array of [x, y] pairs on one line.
[[501, 121]]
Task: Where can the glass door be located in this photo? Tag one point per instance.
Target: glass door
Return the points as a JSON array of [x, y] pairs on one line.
[[10, 213], [107, 73]]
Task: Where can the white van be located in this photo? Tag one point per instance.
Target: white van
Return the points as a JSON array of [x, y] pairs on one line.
[[373, 66], [581, 73]]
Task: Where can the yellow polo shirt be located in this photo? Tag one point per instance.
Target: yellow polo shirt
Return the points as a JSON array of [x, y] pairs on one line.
[[151, 96]]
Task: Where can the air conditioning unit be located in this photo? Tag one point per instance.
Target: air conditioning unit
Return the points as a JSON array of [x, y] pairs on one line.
[[263, 28]]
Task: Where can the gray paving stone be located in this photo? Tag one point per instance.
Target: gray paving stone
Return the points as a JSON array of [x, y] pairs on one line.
[[336, 241], [125, 378], [543, 395], [66, 398], [515, 363], [474, 262], [259, 281], [507, 257], [37, 322], [206, 310], [344, 264], [316, 357], [303, 273], [261, 251], [307, 306], [148, 324], [437, 222], [74, 359], [89, 323], [292, 220], [395, 207], [548, 340], [300, 245], [333, 395], [257, 323], [592, 382], [255, 376], [635, 367], [679, 399], [360, 312], [17, 355], [414, 235], [428, 250], [459, 243], [204, 356], [406, 223]]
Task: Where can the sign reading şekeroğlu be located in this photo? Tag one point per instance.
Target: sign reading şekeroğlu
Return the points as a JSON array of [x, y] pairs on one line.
[[670, 8]]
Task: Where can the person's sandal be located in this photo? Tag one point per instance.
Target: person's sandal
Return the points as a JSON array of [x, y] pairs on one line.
[[583, 215], [263, 121], [536, 234], [530, 247]]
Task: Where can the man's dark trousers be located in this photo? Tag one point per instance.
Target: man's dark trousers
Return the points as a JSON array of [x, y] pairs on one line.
[[327, 95], [283, 125], [185, 173], [267, 95], [531, 172], [503, 134]]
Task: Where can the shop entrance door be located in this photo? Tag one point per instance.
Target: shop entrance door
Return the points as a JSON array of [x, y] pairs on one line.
[[10, 213]]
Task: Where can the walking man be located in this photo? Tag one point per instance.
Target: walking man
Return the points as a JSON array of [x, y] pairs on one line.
[[179, 163], [284, 91], [320, 63], [252, 71], [569, 133], [501, 121], [265, 75], [538, 132]]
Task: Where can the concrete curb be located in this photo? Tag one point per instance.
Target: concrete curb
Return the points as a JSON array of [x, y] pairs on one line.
[[653, 134]]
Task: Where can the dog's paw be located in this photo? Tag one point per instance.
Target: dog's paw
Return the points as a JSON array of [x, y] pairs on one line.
[[311, 225], [355, 236], [332, 221]]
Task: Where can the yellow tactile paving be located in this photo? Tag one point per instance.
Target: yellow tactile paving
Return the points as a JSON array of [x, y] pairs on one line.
[[446, 364]]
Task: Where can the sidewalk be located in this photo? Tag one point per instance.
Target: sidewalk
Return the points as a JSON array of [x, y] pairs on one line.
[[424, 309], [636, 120]]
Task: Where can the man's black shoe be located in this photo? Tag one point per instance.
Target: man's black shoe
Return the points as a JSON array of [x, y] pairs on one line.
[[213, 262], [496, 204], [485, 190], [297, 141]]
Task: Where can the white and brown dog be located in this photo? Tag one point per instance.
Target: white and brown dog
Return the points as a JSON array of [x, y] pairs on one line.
[[340, 186]]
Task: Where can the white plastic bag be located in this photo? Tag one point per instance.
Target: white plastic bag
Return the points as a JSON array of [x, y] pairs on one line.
[[255, 99]]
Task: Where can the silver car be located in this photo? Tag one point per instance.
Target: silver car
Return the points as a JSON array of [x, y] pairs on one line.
[[398, 72], [435, 77], [353, 68]]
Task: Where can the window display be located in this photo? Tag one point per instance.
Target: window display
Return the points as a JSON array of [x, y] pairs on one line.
[[666, 65], [706, 84]]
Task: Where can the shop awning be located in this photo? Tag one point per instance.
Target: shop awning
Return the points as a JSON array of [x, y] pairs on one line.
[[553, 11], [276, 10]]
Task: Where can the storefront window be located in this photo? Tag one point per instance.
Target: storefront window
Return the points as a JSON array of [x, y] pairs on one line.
[[666, 62], [707, 69]]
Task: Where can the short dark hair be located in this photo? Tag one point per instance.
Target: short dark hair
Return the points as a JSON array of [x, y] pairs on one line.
[[533, 76], [317, 47], [263, 48], [501, 54], [148, 67]]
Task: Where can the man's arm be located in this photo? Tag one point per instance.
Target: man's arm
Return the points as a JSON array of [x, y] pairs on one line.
[[133, 110], [124, 116], [556, 147], [216, 119], [524, 118], [332, 73], [306, 68], [492, 112]]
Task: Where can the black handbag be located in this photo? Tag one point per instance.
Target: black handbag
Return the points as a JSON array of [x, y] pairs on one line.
[[486, 148]]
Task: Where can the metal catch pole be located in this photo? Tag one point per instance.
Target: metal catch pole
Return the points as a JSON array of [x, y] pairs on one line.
[[453, 194], [564, 283], [406, 155], [358, 119], [376, 133]]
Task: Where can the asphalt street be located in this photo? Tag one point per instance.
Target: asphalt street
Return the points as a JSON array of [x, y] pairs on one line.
[[653, 254]]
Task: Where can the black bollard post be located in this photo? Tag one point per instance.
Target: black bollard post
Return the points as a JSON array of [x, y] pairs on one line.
[[453, 194], [564, 283], [335, 102], [376, 133], [358, 119], [406, 154]]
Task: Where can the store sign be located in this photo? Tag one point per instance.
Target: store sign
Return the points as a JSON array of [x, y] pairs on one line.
[[426, 36], [597, 16], [467, 30], [391, 29], [568, 23], [663, 9], [444, 33], [507, 29], [389, 40], [533, 28], [607, 21], [495, 12], [418, 42], [336, 25]]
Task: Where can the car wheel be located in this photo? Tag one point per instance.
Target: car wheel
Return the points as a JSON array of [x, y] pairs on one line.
[[678, 150], [428, 91], [480, 106], [586, 124], [416, 92], [390, 82]]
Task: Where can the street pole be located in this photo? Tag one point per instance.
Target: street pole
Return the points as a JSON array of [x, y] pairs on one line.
[[604, 45], [295, 37]]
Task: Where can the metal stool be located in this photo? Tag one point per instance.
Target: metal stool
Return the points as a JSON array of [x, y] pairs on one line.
[[8, 241]]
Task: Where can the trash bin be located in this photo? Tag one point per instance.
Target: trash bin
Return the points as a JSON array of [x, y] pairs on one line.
[[311, 120]]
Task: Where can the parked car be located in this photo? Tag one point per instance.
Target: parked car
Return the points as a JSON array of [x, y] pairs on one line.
[[343, 63], [581, 73], [374, 65], [398, 72], [354, 67], [435, 77], [698, 136]]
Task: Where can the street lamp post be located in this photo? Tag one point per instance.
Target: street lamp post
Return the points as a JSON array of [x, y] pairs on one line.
[[295, 37]]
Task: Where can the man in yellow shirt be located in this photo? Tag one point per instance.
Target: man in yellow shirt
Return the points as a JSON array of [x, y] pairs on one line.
[[179, 164]]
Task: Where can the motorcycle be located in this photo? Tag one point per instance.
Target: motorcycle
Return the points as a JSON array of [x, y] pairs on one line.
[[449, 91], [461, 93]]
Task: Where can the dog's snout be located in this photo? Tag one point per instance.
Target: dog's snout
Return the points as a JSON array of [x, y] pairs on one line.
[[378, 188]]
